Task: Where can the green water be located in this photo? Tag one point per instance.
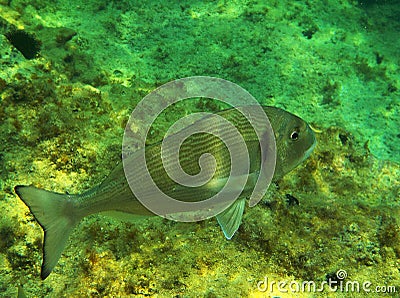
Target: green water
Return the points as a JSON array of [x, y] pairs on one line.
[[62, 115]]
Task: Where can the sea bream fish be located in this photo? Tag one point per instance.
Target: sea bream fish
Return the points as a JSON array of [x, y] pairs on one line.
[[59, 213]]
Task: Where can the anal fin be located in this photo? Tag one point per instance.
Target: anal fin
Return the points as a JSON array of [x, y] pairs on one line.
[[231, 218]]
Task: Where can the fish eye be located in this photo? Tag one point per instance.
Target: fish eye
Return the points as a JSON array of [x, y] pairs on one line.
[[294, 136]]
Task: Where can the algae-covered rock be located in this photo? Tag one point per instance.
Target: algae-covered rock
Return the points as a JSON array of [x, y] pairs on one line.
[[62, 117]]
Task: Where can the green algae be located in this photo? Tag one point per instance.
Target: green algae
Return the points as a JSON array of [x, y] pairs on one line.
[[63, 114]]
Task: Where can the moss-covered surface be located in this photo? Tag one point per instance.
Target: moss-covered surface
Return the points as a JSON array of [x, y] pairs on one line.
[[334, 63]]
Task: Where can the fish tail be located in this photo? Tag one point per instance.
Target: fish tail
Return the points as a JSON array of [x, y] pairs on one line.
[[56, 214]]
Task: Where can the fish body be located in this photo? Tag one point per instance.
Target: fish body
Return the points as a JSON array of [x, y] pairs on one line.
[[59, 213]]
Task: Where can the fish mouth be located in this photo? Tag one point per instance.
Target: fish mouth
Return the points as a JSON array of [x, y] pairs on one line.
[[309, 150]]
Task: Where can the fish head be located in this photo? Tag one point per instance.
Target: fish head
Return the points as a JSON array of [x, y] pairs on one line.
[[295, 140]]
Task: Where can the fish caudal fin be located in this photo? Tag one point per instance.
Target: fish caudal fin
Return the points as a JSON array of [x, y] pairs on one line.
[[55, 214]]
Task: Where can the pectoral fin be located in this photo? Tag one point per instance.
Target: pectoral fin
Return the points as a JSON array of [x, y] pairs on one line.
[[231, 218]]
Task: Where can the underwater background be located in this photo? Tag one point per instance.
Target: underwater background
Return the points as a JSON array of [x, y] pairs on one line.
[[71, 73]]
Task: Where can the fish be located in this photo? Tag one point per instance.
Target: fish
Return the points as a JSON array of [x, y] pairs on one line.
[[59, 213], [21, 292]]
